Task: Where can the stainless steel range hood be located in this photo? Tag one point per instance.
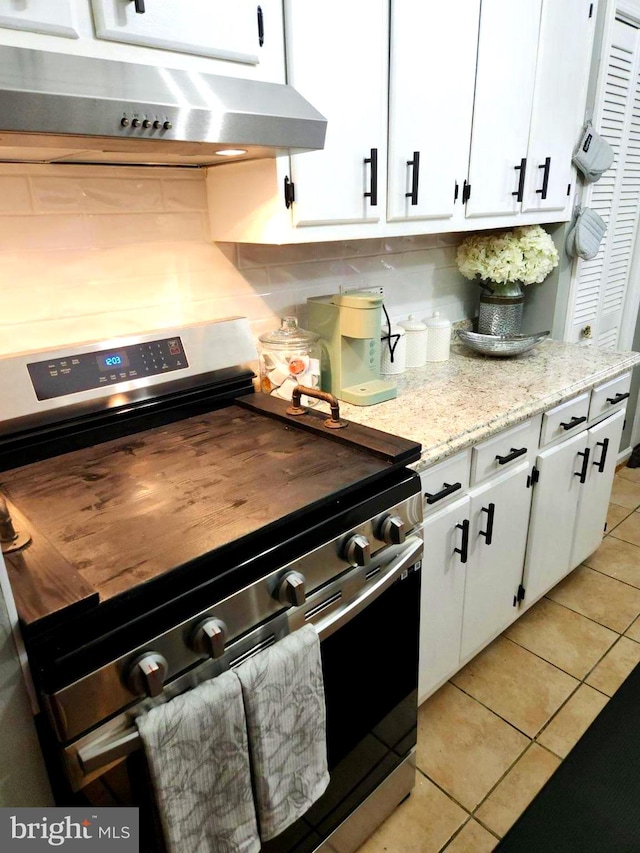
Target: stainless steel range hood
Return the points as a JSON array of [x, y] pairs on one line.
[[59, 108]]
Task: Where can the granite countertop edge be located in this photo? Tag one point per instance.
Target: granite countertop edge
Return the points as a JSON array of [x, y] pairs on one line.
[[437, 405], [512, 417]]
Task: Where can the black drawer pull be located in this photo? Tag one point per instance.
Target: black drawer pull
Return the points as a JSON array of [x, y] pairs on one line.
[[463, 550], [522, 168], [449, 489], [585, 465], [260, 27], [573, 422], [456, 192], [545, 177], [373, 190], [502, 460], [139, 4], [488, 533], [617, 399], [605, 447], [413, 195]]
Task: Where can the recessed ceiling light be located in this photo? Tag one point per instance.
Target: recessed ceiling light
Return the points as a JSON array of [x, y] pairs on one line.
[[231, 152]]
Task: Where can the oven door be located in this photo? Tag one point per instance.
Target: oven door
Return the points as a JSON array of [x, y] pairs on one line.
[[370, 666], [368, 625]]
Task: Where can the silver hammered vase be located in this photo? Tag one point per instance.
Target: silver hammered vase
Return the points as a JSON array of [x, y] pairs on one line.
[[500, 308]]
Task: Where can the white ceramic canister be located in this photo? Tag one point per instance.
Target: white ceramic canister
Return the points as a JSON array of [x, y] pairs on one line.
[[416, 341], [393, 355], [438, 337]]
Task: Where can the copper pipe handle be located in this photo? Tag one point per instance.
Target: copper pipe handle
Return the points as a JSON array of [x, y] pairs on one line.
[[295, 408]]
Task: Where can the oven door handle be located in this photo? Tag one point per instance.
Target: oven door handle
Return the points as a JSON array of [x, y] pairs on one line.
[[98, 756], [410, 554]]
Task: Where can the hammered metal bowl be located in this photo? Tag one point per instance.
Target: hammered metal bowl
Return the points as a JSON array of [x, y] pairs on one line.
[[500, 345]]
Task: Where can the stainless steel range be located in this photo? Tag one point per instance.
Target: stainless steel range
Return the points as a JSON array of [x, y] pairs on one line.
[[163, 523]]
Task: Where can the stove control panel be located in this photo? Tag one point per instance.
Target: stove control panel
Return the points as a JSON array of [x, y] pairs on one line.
[[86, 371]]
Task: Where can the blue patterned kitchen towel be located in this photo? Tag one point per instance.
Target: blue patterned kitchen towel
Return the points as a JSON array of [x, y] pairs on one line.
[[283, 692], [197, 750]]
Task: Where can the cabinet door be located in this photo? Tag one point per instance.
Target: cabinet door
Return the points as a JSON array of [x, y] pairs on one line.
[[498, 537], [214, 28], [507, 51], [553, 516], [604, 441], [337, 58], [566, 33], [442, 594], [431, 84], [40, 16]]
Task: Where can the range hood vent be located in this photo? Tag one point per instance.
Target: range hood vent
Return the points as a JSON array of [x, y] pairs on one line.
[[56, 108]]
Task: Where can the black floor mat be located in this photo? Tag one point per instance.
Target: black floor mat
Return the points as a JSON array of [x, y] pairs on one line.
[[591, 804]]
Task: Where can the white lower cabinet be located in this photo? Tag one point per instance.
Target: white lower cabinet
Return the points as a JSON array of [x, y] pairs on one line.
[[499, 514], [603, 443], [570, 503], [443, 574], [553, 515], [498, 546]]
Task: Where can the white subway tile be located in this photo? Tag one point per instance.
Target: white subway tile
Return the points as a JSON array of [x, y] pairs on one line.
[[144, 228], [181, 194], [126, 194], [36, 233], [53, 194], [14, 194]]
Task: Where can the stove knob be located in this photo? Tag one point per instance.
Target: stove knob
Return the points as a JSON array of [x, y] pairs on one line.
[[357, 551], [147, 674], [291, 589], [136, 122], [209, 637], [390, 529], [146, 123]]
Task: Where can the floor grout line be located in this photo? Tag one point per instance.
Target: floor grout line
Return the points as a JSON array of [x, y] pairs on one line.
[[584, 615]]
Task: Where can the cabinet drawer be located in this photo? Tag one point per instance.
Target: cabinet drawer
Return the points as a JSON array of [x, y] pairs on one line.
[[504, 450], [566, 419], [446, 481], [609, 397]]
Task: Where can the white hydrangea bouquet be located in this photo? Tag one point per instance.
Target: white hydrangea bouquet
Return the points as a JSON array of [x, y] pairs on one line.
[[525, 255]]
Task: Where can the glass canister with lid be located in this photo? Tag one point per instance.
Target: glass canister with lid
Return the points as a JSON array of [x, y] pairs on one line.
[[289, 356]]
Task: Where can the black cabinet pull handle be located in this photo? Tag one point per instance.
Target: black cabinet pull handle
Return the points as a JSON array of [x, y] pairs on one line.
[[260, 27], [617, 399], [502, 460], [413, 195], [545, 177], [585, 465], [522, 168], [449, 489], [139, 4], [456, 192], [573, 422], [466, 192], [463, 550], [488, 533], [373, 191], [605, 447]]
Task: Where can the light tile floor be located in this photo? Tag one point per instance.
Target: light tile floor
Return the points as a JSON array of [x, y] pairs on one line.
[[490, 738]]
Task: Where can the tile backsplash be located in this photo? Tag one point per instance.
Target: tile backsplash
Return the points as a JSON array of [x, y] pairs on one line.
[[90, 252]]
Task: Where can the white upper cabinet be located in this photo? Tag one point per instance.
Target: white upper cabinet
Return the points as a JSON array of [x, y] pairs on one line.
[[214, 28], [558, 114], [337, 59], [431, 84], [40, 16], [507, 51]]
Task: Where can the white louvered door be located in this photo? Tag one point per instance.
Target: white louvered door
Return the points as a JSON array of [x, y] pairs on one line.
[[600, 285]]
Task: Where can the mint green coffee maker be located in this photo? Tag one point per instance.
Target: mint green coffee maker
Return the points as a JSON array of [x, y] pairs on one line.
[[349, 327]]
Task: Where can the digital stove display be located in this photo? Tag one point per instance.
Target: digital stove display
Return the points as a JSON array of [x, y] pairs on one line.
[[113, 360], [89, 370]]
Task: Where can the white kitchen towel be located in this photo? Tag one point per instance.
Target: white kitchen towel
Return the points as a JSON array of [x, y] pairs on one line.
[[283, 692], [197, 750]]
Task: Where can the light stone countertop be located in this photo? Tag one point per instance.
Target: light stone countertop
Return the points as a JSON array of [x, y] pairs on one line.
[[450, 405]]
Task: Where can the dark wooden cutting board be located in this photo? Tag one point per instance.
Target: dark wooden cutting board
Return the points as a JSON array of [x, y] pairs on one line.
[[117, 514]]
